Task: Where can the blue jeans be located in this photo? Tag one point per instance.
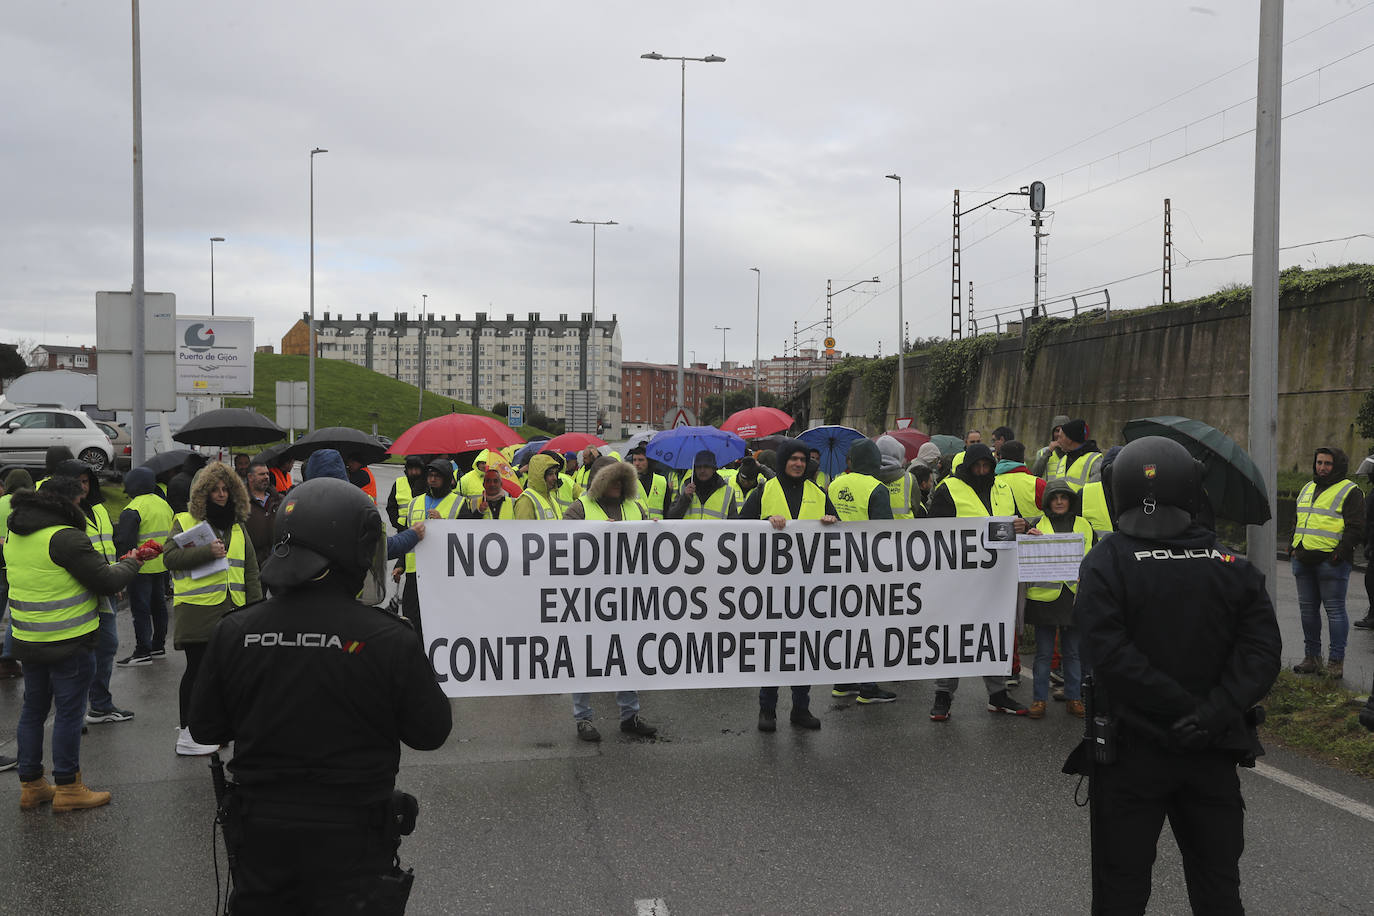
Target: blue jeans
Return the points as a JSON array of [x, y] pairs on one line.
[[148, 604], [1322, 585], [64, 684], [801, 697], [106, 648], [1044, 654], [627, 700]]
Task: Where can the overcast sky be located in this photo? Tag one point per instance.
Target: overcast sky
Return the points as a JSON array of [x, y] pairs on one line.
[[462, 139]]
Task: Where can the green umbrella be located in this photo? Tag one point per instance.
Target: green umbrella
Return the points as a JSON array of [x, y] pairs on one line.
[[1233, 483], [949, 445]]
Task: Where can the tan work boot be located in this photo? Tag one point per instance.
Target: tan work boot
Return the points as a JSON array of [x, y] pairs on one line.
[[1335, 668], [75, 795], [1310, 664], [35, 792]]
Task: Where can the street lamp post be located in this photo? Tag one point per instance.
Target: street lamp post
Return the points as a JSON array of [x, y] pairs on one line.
[[758, 299], [311, 335], [591, 355], [681, 215], [722, 349], [424, 315], [213, 240], [901, 324]]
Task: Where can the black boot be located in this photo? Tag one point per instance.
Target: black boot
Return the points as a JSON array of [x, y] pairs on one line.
[[802, 718], [768, 720]]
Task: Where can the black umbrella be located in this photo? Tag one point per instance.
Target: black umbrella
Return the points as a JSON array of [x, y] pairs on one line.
[[271, 453], [163, 462], [1233, 483], [350, 443], [229, 426]]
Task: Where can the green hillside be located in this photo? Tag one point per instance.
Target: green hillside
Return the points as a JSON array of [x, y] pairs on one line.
[[350, 395]]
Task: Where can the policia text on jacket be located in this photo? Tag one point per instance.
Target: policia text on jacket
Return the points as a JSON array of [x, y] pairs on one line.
[[523, 608]]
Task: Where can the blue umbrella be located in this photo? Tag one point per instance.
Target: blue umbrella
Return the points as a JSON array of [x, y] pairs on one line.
[[834, 442], [677, 448], [528, 451]]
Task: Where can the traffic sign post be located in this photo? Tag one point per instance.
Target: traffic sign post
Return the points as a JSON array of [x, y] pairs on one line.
[[904, 422], [515, 415], [679, 416]]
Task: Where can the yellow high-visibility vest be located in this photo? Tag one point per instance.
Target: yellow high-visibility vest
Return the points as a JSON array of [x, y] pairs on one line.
[[717, 505], [1021, 489], [1048, 591], [631, 510], [447, 508], [1076, 474], [154, 523], [774, 501], [899, 494], [1320, 523], [100, 530], [850, 493], [403, 497], [966, 501], [210, 590], [545, 509], [658, 492], [1095, 509], [46, 602]]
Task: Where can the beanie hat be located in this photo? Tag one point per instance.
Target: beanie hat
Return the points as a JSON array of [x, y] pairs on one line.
[[1076, 430], [1058, 422]]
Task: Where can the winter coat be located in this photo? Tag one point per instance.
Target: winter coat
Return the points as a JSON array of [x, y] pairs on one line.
[[604, 472], [138, 482], [193, 623], [1059, 612], [524, 506], [942, 502], [1352, 513], [791, 488]]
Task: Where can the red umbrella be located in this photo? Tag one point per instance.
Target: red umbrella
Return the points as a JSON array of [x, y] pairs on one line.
[[753, 422], [453, 433], [911, 439], [572, 442]]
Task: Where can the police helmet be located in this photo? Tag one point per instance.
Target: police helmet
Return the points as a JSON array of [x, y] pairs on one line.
[[1156, 488], [323, 524]]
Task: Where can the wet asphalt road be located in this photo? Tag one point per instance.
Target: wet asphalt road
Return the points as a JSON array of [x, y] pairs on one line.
[[882, 811]]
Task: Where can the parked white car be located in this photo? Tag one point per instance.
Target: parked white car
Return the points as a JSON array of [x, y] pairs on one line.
[[27, 434]]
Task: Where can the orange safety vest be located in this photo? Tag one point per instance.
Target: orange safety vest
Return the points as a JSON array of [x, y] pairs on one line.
[[281, 480], [370, 488]]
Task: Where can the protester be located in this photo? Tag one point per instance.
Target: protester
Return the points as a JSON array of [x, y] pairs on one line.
[[438, 501], [972, 437], [16, 481], [968, 493], [925, 483], [263, 500], [929, 455], [179, 487], [568, 490], [903, 494], [100, 531], [1001, 435], [241, 465], [747, 477], [789, 495], [281, 473], [411, 482], [1367, 621], [1330, 522], [610, 497], [1016, 482], [361, 476], [55, 455], [538, 502], [1080, 461], [707, 495], [1049, 605], [492, 503], [589, 456], [55, 578], [654, 491], [1040, 467], [145, 517], [1096, 499], [219, 499]]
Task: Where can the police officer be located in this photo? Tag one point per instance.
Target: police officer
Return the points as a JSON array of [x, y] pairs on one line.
[[317, 691], [1182, 641]]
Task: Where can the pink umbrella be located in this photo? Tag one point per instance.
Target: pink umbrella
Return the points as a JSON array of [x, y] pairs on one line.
[[754, 422], [572, 442], [453, 433]]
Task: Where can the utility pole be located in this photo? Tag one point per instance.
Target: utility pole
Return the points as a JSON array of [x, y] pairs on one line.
[[956, 272], [1166, 295], [424, 316], [1264, 300]]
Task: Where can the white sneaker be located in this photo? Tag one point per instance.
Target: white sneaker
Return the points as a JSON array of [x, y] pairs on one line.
[[189, 747]]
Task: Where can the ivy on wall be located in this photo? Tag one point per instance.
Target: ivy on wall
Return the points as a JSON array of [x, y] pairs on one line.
[[878, 377], [951, 369], [838, 382]]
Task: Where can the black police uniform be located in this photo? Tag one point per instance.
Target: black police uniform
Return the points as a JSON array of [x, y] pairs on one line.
[[1174, 628], [316, 690]]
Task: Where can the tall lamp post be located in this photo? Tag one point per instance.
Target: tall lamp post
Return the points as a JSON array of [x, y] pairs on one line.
[[722, 347], [591, 355], [213, 240], [681, 214], [758, 299], [424, 316], [314, 152], [901, 324]]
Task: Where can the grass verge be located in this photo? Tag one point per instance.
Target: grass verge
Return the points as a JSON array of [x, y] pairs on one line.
[[1319, 717]]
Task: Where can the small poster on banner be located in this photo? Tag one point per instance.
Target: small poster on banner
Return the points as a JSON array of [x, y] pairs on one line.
[[1048, 557]]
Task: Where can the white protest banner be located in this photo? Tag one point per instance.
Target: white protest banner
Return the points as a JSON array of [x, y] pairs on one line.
[[515, 608]]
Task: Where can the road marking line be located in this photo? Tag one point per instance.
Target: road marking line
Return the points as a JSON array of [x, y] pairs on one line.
[[1335, 799], [651, 906]]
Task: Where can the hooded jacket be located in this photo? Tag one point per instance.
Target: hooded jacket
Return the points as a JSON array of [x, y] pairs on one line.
[[79, 469], [893, 459], [866, 458], [539, 465], [702, 490], [1352, 511], [138, 482], [193, 623], [417, 484], [326, 462], [72, 550], [929, 455], [942, 501], [792, 488], [604, 472], [55, 455], [179, 487]]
